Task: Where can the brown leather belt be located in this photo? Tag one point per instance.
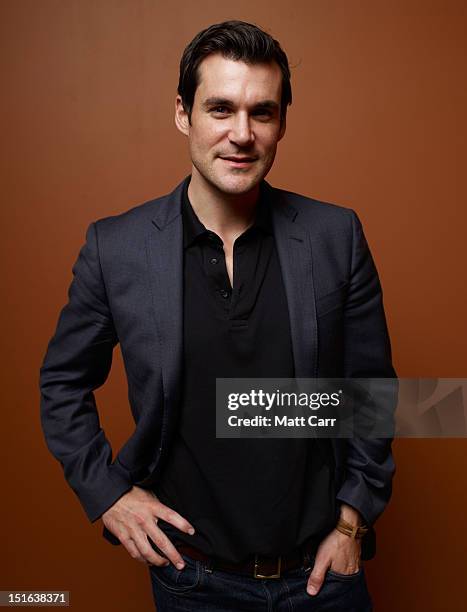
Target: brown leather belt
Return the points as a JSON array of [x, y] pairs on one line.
[[259, 566]]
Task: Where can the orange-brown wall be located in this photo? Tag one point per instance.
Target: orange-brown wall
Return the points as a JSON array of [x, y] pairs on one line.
[[377, 123]]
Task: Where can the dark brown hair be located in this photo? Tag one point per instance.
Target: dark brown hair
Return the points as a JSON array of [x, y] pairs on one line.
[[237, 40]]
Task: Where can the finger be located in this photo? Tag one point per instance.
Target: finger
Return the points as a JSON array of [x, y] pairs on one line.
[[170, 516], [132, 549], [146, 551], [165, 545], [316, 578]]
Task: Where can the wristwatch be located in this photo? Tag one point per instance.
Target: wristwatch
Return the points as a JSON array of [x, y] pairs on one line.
[[353, 531]]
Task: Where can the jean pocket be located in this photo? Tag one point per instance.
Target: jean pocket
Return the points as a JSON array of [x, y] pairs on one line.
[[345, 577], [177, 581]]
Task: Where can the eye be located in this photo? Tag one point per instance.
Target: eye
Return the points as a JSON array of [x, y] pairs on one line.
[[220, 110], [263, 113]]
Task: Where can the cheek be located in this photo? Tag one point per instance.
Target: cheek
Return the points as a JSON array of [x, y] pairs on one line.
[[216, 133], [270, 144], [266, 138], [207, 136]]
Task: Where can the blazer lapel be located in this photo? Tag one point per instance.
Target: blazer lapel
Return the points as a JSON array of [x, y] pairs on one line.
[[295, 257], [165, 259]]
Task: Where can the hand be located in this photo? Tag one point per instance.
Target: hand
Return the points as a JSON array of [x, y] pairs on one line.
[[337, 552], [134, 517]]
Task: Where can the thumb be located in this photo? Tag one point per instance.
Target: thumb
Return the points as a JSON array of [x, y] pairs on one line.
[[316, 578]]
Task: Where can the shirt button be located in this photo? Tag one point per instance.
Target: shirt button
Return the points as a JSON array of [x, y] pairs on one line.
[[224, 293], [213, 260]]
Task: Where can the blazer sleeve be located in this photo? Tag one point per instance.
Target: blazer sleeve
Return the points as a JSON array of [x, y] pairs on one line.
[[78, 361], [369, 466]]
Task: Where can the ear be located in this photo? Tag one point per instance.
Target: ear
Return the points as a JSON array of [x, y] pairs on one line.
[[282, 128], [181, 117]]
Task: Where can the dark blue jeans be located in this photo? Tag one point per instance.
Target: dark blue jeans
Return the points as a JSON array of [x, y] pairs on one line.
[[196, 588]]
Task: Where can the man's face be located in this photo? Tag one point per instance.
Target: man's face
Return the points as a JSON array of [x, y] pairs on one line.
[[235, 123]]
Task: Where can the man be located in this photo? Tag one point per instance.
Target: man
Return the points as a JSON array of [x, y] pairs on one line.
[[224, 277]]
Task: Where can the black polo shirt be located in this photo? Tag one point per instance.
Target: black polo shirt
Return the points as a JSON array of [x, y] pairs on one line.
[[243, 496]]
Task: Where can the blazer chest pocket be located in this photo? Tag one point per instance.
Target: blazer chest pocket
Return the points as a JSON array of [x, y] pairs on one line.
[[331, 301]]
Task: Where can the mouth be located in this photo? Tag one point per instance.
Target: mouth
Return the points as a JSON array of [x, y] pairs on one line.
[[238, 161]]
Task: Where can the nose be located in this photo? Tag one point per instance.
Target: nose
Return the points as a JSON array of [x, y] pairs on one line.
[[241, 133]]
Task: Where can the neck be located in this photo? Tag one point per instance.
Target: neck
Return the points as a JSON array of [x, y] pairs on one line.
[[228, 215]]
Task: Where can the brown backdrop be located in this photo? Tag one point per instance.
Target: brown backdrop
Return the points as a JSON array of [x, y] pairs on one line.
[[378, 124]]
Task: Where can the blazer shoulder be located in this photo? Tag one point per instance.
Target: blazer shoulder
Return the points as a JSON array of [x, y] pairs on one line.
[[134, 217], [321, 214], [122, 237], [162, 210]]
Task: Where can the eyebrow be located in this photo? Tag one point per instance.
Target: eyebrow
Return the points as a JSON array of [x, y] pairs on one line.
[[209, 102]]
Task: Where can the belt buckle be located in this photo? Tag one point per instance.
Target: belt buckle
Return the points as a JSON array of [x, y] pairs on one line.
[[256, 573]]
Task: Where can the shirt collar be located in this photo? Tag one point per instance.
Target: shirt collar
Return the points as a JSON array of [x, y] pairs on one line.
[[193, 228]]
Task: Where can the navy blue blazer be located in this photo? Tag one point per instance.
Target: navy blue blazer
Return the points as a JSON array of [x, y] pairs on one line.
[[127, 288]]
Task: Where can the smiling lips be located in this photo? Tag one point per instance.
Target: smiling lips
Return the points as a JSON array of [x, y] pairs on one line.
[[239, 161]]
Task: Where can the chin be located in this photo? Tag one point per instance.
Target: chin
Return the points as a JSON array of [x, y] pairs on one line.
[[237, 185]]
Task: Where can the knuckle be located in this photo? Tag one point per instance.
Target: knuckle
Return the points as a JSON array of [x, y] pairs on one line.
[[139, 519], [146, 525], [146, 551], [163, 514], [156, 537], [157, 541]]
